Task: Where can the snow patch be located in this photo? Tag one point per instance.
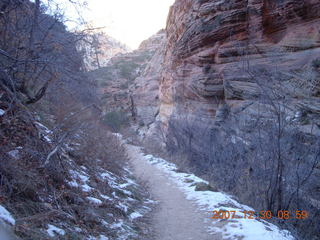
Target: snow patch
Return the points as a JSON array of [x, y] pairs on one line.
[[43, 128], [81, 177], [77, 175], [53, 230], [234, 140], [86, 188], [123, 207], [103, 237], [135, 215], [105, 197], [2, 112], [15, 154], [94, 201], [107, 176], [104, 223], [118, 135], [6, 216], [73, 183], [247, 229], [45, 132], [47, 139], [84, 168], [117, 225]]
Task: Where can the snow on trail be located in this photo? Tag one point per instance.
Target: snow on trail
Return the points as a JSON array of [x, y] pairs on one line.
[[186, 214], [176, 218], [6, 216]]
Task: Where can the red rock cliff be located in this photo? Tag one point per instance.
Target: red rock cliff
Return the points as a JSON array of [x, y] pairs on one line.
[[240, 97], [212, 43]]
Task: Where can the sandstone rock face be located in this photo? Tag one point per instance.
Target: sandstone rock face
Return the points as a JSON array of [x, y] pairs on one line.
[[214, 48], [99, 49], [237, 77], [145, 92], [129, 83]]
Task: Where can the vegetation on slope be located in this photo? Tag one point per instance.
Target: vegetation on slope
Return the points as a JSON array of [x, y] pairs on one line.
[[61, 170]]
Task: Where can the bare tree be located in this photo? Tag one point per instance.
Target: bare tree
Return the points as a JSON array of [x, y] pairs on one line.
[[35, 50]]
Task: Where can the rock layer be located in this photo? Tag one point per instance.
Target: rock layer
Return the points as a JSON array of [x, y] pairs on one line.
[[214, 47], [129, 83], [239, 96], [146, 89]]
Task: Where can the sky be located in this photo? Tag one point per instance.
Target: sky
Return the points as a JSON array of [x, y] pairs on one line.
[[129, 21]]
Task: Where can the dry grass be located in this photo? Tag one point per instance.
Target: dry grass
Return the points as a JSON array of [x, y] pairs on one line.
[[38, 195]]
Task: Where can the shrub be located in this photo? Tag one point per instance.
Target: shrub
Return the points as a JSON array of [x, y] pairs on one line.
[[316, 63], [124, 85], [116, 120], [128, 70]]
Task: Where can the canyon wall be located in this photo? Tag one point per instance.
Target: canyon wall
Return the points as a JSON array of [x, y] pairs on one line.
[[231, 90], [217, 49], [125, 88], [99, 48], [239, 95]]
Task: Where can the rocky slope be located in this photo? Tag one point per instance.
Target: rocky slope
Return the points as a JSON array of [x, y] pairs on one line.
[[129, 85], [84, 195], [146, 90], [239, 95], [99, 48]]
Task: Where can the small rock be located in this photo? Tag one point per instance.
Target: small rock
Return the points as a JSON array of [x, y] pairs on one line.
[[188, 180], [89, 215], [202, 186], [179, 170]]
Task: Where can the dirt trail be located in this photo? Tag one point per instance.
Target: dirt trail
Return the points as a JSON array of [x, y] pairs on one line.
[[176, 217]]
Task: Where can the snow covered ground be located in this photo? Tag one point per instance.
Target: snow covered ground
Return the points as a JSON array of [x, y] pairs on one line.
[[108, 196], [6, 216], [53, 231], [208, 201], [122, 197], [7, 223]]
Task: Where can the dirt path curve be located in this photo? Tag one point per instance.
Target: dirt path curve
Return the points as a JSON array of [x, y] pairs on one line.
[[176, 218]]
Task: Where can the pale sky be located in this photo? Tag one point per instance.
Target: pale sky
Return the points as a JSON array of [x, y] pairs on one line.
[[129, 21]]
